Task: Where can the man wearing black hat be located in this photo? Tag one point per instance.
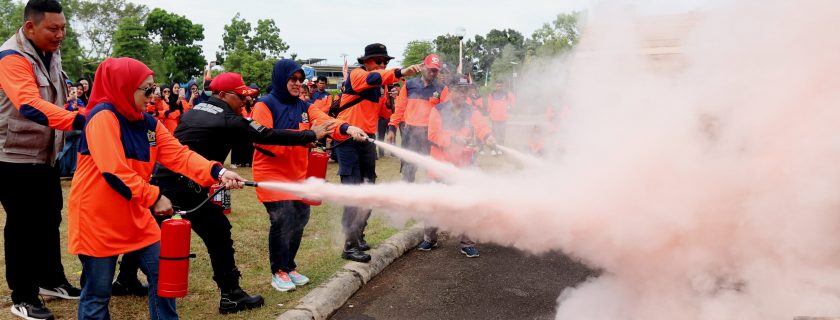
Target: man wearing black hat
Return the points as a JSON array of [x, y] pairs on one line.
[[362, 103]]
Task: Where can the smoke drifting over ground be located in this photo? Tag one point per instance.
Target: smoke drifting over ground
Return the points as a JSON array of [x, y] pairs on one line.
[[703, 180]]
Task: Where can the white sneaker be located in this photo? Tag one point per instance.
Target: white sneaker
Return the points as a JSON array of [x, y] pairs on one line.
[[64, 291]]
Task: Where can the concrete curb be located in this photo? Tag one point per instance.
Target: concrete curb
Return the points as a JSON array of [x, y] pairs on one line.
[[322, 301]]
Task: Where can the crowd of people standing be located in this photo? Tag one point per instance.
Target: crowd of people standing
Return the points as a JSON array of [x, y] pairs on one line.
[[135, 150]]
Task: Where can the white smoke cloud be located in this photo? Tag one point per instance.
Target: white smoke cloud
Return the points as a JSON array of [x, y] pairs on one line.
[[700, 174]]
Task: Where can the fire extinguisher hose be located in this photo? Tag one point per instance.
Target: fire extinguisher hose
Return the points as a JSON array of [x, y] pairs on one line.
[[182, 212]]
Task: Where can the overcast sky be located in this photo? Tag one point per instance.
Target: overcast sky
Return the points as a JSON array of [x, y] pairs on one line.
[[328, 28]]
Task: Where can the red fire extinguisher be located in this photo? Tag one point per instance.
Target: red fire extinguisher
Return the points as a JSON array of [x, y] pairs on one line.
[[221, 199], [173, 274], [317, 168]]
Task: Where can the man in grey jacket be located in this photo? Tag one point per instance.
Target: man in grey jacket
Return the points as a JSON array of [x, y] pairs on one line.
[[32, 118]]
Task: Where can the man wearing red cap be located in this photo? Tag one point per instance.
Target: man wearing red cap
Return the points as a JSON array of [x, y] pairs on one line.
[[416, 100], [211, 129]]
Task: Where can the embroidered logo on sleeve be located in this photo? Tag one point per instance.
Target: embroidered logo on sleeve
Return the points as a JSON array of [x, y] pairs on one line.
[[152, 138]]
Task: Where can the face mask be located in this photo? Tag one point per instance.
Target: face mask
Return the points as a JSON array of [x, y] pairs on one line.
[[207, 93]]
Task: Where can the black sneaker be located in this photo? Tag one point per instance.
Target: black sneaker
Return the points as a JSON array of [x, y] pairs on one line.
[[425, 246], [470, 252], [64, 291], [31, 311], [126, 288], [238, 300]]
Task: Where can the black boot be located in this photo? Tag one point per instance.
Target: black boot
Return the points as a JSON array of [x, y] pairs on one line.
[[234, 299], [363, 244], [354, 253]]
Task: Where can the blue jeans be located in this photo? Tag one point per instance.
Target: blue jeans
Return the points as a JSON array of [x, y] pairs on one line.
[[288, 219], [97, 275]]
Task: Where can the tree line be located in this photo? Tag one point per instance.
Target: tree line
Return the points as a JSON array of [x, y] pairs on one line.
[[499, 53], [168, 42]]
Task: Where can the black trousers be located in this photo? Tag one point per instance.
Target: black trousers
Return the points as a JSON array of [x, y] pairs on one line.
[[31, 237], [288, 219], [356, 165], [209, 223]]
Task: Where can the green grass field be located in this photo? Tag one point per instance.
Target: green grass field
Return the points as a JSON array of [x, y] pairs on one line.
[[318, 258]]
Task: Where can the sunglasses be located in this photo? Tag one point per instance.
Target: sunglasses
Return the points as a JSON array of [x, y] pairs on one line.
[[147, 91], [383, 62], [296, 79]]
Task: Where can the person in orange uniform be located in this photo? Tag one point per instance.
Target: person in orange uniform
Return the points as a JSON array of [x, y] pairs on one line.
[[110, 195], [416, 100], [362, 102], [453, 125], [498, 103], [282, 108], [32, 121]]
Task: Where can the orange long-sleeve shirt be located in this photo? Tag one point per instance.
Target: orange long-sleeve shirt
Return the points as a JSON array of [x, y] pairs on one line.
[[446, 126], [416, 100], [497, 105], [369, 86], [285, 163], [17, 80], [110, 195]]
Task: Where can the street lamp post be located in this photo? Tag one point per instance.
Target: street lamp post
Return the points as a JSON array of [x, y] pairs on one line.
[[460, 32]]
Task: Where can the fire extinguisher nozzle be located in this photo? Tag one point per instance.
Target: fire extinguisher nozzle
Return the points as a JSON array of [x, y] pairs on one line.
[[251, 184]]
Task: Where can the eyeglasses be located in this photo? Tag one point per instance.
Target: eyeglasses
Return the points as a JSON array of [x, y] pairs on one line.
[[193, 89], [241, 97], [165, 90], [383, 62], [147, 91], [296, 79]]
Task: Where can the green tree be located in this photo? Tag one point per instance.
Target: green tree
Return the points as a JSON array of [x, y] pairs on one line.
[[238, 29], [416, 51], [98, 21], [446, 46], [72, 59], [249, 51], [266, 40], [11, 18], [132, 40], [556, 37], [176, 38]]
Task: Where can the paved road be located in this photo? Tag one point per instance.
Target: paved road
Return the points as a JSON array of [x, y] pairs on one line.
[[502, 283]]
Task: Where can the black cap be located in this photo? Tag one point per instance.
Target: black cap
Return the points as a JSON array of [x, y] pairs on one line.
[[375, 50]]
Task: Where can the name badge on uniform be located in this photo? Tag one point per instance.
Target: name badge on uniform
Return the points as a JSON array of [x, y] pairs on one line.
[[305, 117]]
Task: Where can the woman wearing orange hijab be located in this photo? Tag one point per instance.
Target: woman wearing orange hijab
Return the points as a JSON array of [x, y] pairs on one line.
[[110, 195]]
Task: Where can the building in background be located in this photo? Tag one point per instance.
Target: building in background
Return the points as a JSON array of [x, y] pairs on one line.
[[332, 72]]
